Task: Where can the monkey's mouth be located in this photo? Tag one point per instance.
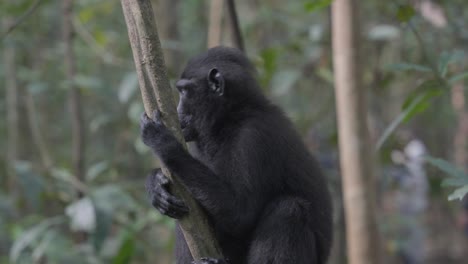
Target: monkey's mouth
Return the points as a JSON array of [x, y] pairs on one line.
[[184, 122], [187, 129]]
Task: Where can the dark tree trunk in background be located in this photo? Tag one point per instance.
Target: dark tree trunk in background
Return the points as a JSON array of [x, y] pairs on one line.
[[76, 115], [356, 150], [235, 26], [11, 87]]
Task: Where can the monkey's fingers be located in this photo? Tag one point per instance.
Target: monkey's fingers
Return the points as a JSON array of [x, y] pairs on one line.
[[157, 117], [169, 205], [144, 120]]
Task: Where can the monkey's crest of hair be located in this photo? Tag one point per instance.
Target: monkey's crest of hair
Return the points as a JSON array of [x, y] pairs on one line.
[[231, 62]]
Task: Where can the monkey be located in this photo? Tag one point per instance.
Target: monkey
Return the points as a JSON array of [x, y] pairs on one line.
[[263, 192]]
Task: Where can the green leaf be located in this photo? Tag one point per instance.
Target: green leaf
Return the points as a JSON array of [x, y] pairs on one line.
[[403, 66], [458, 77], [405, 13], [454, 182], [415, 104], [458, 193], [429, 89], [315, 5], [103, 227], [125, 252], [446, 167], [419, 104], [95, 170], [446, 58], [458, 177], [30, 182], [55, 246], [86, 14], [397, 121], [31, 236], [269, 57]]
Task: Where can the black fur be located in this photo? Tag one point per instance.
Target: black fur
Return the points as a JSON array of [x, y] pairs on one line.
[[263, 192]]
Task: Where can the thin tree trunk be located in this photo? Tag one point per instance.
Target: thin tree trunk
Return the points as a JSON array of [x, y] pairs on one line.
[[215, 23], [235, 27], [11, 87], [76, 116], [157, 94], [37, 136], [355, 147], [460, 140]]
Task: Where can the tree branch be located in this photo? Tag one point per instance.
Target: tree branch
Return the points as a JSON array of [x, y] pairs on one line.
[[157, 94], [76, 115], [21, 19]]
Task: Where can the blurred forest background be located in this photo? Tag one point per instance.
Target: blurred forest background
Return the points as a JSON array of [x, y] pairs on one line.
[[73, 166]]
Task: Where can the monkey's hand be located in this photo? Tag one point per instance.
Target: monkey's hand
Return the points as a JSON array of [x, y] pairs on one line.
[[157, 136], [210, 261], [157, 185]]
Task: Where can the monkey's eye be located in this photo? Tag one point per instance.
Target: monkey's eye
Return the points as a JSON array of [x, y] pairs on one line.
[[183, 85], [182, 91]]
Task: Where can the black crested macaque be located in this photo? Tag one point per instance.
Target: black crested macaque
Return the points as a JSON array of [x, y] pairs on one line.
[[263, 192]]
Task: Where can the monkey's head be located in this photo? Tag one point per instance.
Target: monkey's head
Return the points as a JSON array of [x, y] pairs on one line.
[[213, 87]]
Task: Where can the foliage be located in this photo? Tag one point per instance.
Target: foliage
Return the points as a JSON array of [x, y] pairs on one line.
[[409, 68], [315, 5], [455, 177]]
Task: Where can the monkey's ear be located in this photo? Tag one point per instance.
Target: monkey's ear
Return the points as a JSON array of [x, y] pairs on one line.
[[216, 81]]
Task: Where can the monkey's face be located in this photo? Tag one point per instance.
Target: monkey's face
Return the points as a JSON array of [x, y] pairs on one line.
[[186, 107], [199, 99]]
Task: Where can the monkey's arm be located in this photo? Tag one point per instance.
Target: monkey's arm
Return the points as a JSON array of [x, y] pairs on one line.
[[236, 210]]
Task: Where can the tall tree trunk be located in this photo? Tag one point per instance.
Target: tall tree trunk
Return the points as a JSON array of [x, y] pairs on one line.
[[11, 87], [355, 147], [157, 94], [167, 17], [76, 116], [215, 23], [460, 140]]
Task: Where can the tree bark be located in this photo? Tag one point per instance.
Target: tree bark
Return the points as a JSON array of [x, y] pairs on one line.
[[76, 115], [460, 140], [235, 27], [355, 148], [11, 87], [215, 23], [157, 94]]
